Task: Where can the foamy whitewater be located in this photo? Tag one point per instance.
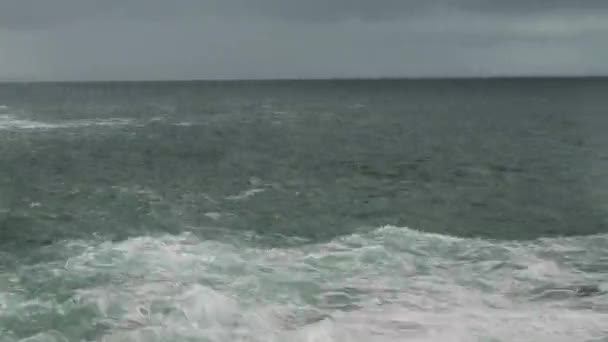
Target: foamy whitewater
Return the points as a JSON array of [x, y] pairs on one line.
[[342, 211], [392, 284], [10, 121]]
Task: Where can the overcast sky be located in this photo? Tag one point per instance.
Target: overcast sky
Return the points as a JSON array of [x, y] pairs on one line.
[[211, 39]]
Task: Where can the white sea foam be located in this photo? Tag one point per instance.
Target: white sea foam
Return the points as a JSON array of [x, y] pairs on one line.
[[214, 215], [245, 194], [11, 122], [8, 121], [392, 284]]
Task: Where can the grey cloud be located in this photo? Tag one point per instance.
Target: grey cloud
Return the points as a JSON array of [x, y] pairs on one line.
[[389, 9], [527, 6], [37, 14], [160, 39]]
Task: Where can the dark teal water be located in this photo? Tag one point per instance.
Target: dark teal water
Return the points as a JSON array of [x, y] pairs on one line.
[[303, 210]]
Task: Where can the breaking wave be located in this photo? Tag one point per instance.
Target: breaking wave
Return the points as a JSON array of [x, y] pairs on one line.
[[391, 284]]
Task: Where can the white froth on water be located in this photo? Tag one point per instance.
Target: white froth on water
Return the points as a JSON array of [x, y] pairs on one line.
[[245, 194], [11, 122], [392, 284], [214, 215], [8, 121]]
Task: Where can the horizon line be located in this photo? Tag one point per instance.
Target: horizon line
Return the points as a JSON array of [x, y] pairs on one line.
[[290, 79]]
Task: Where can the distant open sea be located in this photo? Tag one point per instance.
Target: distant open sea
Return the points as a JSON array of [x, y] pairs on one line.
[[286, 211]]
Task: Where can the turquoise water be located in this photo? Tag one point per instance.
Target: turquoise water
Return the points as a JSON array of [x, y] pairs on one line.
[[304, 211]]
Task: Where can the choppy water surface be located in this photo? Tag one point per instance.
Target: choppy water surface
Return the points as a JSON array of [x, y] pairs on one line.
[[304, 211]]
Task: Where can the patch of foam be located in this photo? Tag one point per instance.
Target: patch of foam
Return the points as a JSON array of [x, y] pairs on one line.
[[8, 121], [392, 284], [50, 336], [184, 124], [101, 122], [258, 186], [11, 122], [245, 194], [214, 215]]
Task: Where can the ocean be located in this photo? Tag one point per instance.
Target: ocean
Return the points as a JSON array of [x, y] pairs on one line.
[[343, 210]]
